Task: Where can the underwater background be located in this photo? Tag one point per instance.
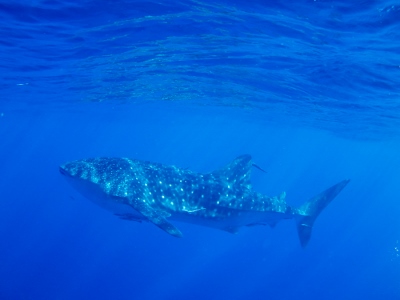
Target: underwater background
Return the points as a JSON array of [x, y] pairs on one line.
[[309, 88]]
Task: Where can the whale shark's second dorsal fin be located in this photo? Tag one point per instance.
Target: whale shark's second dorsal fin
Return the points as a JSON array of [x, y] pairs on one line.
[[237, 172]]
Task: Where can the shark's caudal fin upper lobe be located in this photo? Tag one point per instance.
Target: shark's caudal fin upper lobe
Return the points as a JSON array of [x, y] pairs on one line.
[[312, 208]]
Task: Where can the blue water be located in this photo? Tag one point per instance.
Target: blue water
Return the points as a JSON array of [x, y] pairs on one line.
[[311, 89]]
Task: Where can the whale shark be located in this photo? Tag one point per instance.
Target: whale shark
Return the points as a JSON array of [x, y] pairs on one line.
[[139, 191]]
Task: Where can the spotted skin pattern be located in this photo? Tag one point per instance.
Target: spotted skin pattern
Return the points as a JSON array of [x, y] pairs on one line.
[[223, 199]]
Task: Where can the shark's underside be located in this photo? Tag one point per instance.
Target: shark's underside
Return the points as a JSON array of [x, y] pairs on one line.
[[224, 199]]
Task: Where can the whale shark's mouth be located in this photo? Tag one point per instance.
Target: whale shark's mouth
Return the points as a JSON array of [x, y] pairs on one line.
[[63, 171]]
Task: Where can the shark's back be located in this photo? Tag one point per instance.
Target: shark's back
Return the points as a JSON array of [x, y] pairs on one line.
[[223, 199]]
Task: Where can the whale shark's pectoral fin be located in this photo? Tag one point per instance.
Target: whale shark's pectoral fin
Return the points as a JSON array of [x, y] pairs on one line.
[[157, 218]]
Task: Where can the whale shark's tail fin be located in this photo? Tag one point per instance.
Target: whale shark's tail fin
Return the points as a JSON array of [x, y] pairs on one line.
[[310, 210]]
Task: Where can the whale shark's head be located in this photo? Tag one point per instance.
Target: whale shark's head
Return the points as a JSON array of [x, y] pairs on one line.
[[95, 169], [83, 175], [72, 169], [79, 169], [104, 181], [112, 175], [87, 175]]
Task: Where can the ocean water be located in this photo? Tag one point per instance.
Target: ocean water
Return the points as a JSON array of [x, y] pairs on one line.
[[311, 89]]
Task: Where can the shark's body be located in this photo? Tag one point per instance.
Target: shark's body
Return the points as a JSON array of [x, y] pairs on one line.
[[224, 199]]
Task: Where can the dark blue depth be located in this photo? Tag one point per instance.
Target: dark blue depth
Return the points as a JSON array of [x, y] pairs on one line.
[[310, 89]]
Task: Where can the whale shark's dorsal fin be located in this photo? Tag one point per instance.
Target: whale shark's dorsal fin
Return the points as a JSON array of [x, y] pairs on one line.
[[237, 172]]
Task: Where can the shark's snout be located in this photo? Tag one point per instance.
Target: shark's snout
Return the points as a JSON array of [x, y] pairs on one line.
[[63, 171]]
